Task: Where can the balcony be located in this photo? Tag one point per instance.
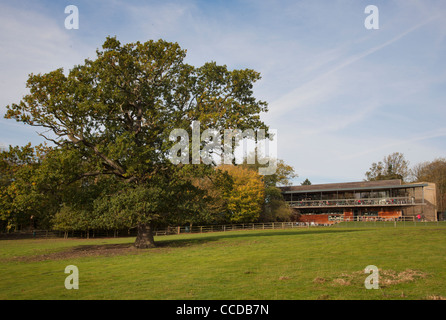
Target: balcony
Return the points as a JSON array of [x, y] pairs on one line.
[[370, 202]]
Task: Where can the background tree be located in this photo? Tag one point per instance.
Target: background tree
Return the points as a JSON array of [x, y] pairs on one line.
[[73, 219], [26, 200], [274, 206], [12, 161], [116, 113], [306, 183], [433, 171], [247, 195], [216, 186], [393, 166]]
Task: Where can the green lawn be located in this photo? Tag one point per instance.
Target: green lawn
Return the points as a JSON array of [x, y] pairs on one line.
[[314, 263]]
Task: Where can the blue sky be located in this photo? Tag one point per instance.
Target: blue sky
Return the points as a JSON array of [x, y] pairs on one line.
[[340, 96]]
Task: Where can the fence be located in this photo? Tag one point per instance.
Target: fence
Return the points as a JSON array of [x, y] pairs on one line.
[[159, 232], [390, 223], [70, 234], [230, 227], [352, 222]]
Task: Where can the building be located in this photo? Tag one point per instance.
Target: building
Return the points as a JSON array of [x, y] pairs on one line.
[[366, 200]]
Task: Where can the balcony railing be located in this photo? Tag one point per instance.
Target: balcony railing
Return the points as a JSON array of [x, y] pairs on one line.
[[396, 201]]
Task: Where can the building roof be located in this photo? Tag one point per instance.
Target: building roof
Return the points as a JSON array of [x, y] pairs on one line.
[[352, 186]]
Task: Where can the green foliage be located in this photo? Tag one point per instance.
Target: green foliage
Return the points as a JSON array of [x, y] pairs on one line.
[[119, 109], [112, 116], [26, 202], [73, 219]]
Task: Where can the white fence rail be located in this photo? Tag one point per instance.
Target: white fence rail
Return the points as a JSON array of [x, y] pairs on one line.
[[231, 227]]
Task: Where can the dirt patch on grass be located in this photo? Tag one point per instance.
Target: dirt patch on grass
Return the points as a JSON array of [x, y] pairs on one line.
[[435, 297], [342, 281], [390, 277], [319, 280], [386, 278], [83, 251]]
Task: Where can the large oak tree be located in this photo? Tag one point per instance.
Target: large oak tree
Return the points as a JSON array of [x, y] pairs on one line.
[[118, 110]]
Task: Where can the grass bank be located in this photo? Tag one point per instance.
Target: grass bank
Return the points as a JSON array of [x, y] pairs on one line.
[[314, 263]]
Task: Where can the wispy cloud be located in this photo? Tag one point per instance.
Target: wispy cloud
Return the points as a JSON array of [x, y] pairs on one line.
[[32, 42], [396, 143], [317, 89]]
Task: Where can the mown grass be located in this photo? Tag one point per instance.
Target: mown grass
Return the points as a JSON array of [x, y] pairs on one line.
[[314, 263]]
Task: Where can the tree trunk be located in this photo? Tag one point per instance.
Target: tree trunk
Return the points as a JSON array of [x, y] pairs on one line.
[[144, 238]]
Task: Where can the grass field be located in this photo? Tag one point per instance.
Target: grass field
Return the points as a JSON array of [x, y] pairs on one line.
[[314, 263]]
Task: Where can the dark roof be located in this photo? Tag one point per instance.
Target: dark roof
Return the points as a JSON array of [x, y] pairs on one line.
[[350, 186]]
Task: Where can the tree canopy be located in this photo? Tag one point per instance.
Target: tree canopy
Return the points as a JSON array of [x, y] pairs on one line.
[[114, 115], [393, 166], [433, 171]]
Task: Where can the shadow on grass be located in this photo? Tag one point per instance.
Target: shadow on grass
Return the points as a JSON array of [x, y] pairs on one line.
[[215, 236], [162, 245], [94, 247]]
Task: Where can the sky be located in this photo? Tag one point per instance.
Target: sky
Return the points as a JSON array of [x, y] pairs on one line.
[[341, 96]]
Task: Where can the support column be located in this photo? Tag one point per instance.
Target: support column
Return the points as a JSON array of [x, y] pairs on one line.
[[422, 192]]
